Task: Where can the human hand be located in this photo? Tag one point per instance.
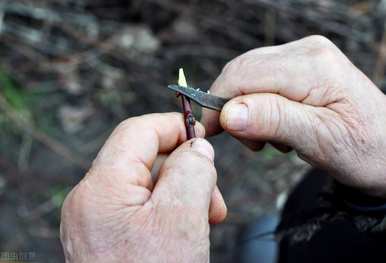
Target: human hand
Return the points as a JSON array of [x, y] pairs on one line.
[[117, 213], [307, 95]]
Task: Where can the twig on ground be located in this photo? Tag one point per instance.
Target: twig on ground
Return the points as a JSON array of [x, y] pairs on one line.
[[55, 146]]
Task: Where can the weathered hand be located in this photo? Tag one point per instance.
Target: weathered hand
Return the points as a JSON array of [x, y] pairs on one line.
[[307, 95], [118, 214]]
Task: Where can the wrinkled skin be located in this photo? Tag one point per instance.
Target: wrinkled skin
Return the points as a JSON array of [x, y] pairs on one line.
[[304, 95], [117, 213], [308, 96]]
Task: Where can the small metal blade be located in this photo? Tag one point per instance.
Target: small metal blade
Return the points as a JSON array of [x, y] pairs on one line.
[[202, 98]]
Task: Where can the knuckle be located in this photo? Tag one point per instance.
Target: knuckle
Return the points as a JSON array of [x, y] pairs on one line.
[[278, 113], [321, 47], [231, 74], [322, 52], [325, 55], [275, 115], [233, 66], [319, 40], [267, 124], [132, 123]]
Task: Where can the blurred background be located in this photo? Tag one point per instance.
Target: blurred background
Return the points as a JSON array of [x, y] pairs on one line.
[[71, 70]]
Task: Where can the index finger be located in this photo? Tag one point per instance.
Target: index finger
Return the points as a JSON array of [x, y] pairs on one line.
[[134, 145], [295, 70]]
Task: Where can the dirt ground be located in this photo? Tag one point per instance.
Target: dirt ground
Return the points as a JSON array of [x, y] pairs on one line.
[[70, 71]]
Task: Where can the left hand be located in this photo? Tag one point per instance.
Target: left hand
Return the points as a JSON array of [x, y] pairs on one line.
[[118, 214]]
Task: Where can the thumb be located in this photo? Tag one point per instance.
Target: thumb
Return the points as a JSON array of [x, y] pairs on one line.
[[268, 117], [187, 179]]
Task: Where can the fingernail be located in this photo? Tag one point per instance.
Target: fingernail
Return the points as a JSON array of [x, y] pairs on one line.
[[204, 147], [236, 117]]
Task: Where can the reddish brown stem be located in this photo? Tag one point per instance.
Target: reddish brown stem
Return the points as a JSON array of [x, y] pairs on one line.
[[188, 117]]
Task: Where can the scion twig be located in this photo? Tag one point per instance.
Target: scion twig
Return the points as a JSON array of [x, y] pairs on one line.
[[188, 117], [186, 108]]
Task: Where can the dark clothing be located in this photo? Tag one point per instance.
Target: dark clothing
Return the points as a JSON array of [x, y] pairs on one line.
[[316, 226]]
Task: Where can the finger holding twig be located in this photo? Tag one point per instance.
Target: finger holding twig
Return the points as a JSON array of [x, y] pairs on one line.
[[186, 108]]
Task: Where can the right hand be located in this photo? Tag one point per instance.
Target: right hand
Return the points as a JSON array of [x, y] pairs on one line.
[[307, 95]]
